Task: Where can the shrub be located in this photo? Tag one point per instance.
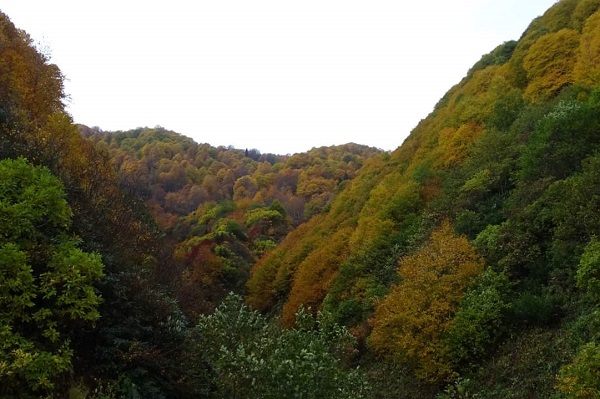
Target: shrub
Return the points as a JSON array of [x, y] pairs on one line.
[[581, 378], [254, 358]]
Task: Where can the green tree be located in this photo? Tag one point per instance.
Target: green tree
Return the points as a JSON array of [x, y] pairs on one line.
[[580, 379], [46, 282], [480, 319], [588, 274]]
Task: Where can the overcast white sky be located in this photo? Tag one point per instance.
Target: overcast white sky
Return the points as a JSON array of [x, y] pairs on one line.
[[281, 76]]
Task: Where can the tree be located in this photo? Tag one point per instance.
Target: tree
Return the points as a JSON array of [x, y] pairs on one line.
[[587, 68], [315, 274], [588, 274], [580, 379], [46, 282], [480, 319], [244, 187], [549, 63], [411, 321]]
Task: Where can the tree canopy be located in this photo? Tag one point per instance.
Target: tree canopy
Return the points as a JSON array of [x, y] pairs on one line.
[[46, 281]]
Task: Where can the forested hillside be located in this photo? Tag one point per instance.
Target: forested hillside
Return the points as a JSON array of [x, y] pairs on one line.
[[223, 208], [81, 306], [467, 260], [465, 264], [106, 239]]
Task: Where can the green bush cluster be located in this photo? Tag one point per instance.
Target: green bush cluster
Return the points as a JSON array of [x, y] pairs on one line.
[[252, 357]]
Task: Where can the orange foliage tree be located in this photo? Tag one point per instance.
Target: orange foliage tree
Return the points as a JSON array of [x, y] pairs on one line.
[[410, 322], [315, 274], [271, 276], [201, 282]]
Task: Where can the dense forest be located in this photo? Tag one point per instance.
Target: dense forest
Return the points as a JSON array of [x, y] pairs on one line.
[[465, 264], [222, 208]]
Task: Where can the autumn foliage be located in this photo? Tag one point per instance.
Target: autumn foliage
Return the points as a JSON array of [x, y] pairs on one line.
[[314, 276], [550, 62], [410, 322], [465, 262]]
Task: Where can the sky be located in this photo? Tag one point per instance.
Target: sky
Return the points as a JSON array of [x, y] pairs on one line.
[[280, 76]]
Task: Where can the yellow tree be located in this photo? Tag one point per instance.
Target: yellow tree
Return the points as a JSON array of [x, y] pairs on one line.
[[410, 322], [587, 69], [315, 274], [549, 63], [271, 277]]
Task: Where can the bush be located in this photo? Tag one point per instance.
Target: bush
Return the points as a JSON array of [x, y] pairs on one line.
[[581, 378], [479, 322], [588, 274], [535, 309], [254, 358]]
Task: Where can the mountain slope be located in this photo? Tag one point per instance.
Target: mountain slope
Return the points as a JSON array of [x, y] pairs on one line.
[[508, 160], [81, 306], [222, 208]]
